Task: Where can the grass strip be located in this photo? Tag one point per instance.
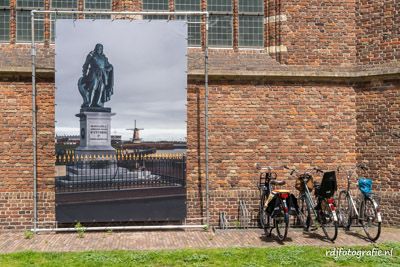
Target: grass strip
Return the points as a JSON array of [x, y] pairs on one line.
[[268, 256]]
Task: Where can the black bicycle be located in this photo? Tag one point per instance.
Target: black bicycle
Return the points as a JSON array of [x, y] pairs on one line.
[[273, 207], [364, 210], [324, 212]]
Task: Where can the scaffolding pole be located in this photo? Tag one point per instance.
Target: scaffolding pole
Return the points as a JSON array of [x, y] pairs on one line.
[[206, 120], [34, 124]]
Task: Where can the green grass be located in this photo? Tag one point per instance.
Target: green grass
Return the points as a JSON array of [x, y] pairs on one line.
[[279, 256]]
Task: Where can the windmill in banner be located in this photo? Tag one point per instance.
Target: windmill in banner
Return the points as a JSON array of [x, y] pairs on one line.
[[136, 134]]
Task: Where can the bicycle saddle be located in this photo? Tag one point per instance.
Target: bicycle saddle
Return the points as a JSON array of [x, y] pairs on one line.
[[275, 182], [281, 191]]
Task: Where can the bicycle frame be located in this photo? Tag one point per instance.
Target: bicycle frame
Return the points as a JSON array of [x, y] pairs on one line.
[[309, 200], [266, 187], [358, 210], [353, 205], [311, 204]]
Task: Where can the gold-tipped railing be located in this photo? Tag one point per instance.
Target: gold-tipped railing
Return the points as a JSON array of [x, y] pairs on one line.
[[120, 170], [70, 156]]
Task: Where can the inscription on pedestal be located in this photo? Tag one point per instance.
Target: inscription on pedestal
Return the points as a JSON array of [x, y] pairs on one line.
[[95, 133], [98, 132]]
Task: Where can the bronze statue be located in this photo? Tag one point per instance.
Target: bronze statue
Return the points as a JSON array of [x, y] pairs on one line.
[[97, 81]]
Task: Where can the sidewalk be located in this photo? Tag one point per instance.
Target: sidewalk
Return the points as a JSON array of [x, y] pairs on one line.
[[161, 240]]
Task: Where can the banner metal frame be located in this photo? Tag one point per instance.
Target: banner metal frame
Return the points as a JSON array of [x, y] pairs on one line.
[[205, 14]]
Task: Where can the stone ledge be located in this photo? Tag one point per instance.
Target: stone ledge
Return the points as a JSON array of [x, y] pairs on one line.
[[351, 76], [289, 72]]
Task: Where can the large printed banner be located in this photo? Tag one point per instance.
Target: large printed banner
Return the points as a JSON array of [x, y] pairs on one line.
[[110, 74], [136, 68]]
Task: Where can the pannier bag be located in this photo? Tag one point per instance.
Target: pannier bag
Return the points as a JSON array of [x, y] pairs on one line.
[[273, 205], [365, 186], [328, 185], [293, 205], [273, 208], [268, 200], [300, 185]]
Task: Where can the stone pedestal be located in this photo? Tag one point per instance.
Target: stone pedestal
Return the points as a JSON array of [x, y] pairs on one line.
[[95, 132]]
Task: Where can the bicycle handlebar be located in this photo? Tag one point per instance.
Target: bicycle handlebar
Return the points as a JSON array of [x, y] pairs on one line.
[[258, 167], [318, 170], [294, 170], [362, 166]]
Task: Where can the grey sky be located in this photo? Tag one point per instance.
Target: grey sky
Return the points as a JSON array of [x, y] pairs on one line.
[[150, 79]]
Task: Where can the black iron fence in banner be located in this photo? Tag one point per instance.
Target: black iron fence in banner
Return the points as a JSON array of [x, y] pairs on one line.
[[118, 171]]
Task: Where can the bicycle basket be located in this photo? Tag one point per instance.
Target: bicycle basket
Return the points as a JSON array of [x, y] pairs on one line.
[[365, 186], [300, 184], [328, 185]]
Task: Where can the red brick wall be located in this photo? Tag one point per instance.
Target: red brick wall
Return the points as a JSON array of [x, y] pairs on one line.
[[299, 123], [16, 183], [319, 32], [378, 40], [272, 123], [378, 140]]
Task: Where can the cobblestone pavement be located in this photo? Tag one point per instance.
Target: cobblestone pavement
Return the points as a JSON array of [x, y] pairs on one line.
[[152, 240]]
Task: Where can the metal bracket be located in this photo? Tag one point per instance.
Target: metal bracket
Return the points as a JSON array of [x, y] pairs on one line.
[[244, 218], [223, 221]]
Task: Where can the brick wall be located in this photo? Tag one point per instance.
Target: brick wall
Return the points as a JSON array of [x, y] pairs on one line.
[[274, 123], [319, 32], [252, 119], [298, 124], [378, 140], [378, 39], [298, 32], [16, 183]]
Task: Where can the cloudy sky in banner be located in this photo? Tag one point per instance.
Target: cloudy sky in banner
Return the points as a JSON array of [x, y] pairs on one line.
[[150, 78]]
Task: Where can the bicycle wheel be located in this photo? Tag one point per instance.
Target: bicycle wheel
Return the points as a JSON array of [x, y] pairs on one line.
[[281, 223], [326, 219], [344, 209], [262, 214], [369, 219]]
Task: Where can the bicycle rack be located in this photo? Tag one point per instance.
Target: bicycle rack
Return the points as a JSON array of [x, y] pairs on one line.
[[244, 218], [223, 222]]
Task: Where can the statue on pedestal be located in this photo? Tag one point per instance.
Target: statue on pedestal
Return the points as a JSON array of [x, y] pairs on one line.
[[97, 81], [96, 87]]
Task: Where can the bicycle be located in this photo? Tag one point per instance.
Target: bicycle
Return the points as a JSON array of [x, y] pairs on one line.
[[325, 211], [367, 213], [273, 203]]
